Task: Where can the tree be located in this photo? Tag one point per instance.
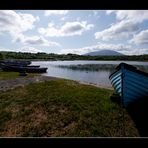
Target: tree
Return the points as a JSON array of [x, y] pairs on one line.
[[1, 56]]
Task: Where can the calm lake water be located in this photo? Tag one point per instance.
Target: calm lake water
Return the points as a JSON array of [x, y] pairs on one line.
[[95, 72]]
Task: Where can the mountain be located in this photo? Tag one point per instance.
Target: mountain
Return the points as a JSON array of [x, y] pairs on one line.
[[104, 53]]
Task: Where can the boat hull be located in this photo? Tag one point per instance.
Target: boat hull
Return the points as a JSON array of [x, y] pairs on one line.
[[16, 63], [130, 83], [23, 69]]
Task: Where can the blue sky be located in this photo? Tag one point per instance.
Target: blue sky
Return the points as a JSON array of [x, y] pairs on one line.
[[74, 31]]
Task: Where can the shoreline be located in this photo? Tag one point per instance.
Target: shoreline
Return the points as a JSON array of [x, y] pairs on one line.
[[96, 85], [10, 84], [85, 83]]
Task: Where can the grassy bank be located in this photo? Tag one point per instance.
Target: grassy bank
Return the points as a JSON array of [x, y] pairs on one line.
[[11, 75], [61, 108]]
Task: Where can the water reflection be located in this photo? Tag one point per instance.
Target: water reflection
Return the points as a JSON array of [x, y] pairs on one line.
[[96, 72], [98, 67]]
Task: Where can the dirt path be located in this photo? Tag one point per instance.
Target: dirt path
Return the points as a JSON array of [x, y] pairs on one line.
[[12, 83]]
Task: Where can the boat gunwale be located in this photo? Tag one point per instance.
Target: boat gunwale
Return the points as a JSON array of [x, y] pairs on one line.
[[130, 68]]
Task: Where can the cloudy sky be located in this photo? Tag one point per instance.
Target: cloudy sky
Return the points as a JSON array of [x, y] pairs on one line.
[[74, 31]]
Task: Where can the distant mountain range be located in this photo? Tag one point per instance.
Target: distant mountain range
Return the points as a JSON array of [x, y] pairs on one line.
[[104, 53]]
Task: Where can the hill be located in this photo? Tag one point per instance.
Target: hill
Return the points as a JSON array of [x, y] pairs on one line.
[[104, 53]]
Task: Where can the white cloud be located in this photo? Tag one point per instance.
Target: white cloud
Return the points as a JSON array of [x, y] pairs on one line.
[[118, 31], [116, 47], [29, 49], [110, 11], [37, 18], [6, 49], [78, 19], [55, 12], [36, 40], [126, 25], [63, 18], [136, 16], [136, 51], [22, 49], [140, 38], [68, 29], [96, 12], [16, 23], [124, 49]]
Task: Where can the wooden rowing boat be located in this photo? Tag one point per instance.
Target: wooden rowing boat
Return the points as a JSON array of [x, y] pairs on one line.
[[27, 69], [130, 83]]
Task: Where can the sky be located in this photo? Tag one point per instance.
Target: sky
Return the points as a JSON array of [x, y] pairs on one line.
[[74, 31]]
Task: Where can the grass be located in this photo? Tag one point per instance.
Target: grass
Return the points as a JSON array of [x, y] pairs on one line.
[[61, 108], [11, 75]]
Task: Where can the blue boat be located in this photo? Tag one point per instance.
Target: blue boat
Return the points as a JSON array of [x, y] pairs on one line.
[[130, 83]]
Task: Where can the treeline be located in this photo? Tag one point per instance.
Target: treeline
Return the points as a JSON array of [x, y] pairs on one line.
[[53, 57]]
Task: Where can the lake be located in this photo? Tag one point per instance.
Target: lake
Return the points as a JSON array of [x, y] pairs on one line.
[[94, 72]]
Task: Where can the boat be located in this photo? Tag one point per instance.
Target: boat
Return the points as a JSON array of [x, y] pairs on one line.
[[129, 83], [32, 66], [16, 62], [19, 63], [27, 69]]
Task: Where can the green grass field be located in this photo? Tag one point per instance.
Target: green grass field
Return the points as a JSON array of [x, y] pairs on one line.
[[61, 108], [11, 75]]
